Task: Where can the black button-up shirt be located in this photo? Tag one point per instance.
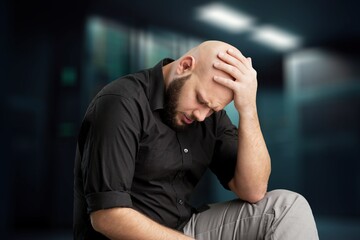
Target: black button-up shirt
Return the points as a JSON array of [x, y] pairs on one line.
[[128, 157]]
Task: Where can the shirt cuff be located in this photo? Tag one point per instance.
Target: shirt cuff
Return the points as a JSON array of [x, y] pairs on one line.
[[105, 200]]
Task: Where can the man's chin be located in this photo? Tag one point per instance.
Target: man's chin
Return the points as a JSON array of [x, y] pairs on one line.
[[174, 122], [179, 126]]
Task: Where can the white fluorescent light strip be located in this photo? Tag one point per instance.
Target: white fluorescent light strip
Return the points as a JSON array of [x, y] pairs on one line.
[[275, 38], [224, 17]]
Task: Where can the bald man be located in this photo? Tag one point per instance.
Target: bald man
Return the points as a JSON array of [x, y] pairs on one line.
[[147, 139]]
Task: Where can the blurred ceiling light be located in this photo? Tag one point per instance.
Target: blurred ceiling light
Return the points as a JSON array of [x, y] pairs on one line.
[[224, 17], [275, 37]]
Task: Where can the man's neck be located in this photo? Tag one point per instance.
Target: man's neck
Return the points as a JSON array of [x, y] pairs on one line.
[[167, 71]]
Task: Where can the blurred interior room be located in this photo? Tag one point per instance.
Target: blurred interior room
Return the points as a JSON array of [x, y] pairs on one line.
[[55, 56]]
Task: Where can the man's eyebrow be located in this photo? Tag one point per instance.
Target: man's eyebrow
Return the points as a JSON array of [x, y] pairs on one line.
[[201, 99]]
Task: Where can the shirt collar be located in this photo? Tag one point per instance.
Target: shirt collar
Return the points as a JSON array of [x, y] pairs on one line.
[[157, 87]]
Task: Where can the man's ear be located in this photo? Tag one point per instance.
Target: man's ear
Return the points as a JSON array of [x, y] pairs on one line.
[[186, 64]]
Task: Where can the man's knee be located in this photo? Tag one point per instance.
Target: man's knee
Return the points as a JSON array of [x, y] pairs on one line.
[[286, 196], [293, 201], [292, 215]]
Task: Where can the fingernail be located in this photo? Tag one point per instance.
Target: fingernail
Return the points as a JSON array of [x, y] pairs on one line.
[[221, 54]]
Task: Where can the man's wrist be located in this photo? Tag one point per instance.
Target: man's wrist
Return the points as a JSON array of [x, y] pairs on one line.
[[248, 112]]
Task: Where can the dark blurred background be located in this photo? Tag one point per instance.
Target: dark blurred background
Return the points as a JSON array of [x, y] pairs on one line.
[[55, 55]]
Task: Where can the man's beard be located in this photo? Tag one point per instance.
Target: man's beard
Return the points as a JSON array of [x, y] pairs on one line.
[[172, 95]]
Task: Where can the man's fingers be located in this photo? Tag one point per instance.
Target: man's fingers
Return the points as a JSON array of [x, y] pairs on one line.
[[232, 63], [250, 61], [240, 57], [229, 69], [226, 82]]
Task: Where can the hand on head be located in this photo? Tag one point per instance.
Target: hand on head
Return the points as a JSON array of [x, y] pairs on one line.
[[242, 78], [229, 68]]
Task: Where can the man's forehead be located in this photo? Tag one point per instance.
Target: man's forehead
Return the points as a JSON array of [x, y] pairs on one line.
[[213, 91]]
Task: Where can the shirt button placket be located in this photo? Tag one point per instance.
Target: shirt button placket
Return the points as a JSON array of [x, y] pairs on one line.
[[180, 175]]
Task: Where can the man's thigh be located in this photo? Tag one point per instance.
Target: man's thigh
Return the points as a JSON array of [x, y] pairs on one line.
[[280, 215], [235, 219]]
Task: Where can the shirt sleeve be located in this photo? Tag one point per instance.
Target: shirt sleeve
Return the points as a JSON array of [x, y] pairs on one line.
[[225, 152], [108, 160]]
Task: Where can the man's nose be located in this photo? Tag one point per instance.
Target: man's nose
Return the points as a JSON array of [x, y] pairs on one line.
[[201, 113]]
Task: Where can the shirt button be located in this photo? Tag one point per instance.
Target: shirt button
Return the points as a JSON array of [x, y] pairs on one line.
[[181, 202], [186, 150]]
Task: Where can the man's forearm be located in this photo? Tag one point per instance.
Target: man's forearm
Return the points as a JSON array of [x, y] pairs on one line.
[[253, 161], [128, 224]]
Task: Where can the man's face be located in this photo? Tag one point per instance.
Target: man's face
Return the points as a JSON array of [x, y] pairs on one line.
[[189, 99]]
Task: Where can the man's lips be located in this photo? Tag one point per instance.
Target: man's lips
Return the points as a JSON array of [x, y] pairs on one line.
[[187, 120]]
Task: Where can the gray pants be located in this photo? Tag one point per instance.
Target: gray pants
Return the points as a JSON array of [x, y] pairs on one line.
[[280, 215]]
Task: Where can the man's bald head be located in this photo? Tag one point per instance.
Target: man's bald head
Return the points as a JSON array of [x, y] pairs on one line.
[[205, 55], [209, 47]]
